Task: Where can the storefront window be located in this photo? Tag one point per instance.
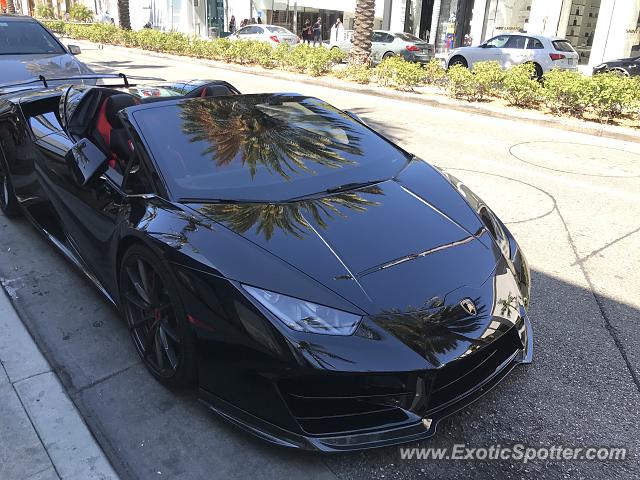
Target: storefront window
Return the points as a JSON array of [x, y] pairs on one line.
[[505, 16], [580, 30], [633, 36]]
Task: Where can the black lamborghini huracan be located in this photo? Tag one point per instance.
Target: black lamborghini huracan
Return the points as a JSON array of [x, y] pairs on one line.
[[324, 288]]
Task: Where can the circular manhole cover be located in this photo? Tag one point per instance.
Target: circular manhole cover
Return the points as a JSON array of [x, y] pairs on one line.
[[513, 200], [578, 158]]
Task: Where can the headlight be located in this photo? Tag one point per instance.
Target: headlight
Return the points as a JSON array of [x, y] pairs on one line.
[[305, 316]]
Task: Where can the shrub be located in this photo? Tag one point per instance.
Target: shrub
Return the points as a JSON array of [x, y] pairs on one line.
[[282, 55], [81, 13], [565, 91], [519, 86], [434, 73], [488, 78], [355, 73], [320, 60], [399, 73], [56, 26], [462, 83], [609, 95], [45, 11]]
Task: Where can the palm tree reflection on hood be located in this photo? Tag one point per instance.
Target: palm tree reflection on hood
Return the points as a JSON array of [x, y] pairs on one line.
[[433, 334], [292, 217], [269, 131]]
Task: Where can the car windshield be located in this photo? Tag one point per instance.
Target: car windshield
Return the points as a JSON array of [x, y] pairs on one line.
[[262, 147], [407, 37], [23, 38], [278, 30], [563, 46]]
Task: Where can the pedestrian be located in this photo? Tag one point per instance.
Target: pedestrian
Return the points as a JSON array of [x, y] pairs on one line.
[[307, 32], [317, 32], [253, 21], [259, 20], [232, 24], [337, 33], [244, 23]]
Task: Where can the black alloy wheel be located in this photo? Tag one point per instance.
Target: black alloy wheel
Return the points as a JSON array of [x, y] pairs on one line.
[[156, 318], [8, 202]]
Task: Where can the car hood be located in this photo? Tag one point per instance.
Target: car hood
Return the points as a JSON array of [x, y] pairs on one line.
[[397, 246], [14, 68]]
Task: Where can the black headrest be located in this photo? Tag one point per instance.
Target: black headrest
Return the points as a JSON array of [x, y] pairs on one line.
[[119, 143], [210, 91], [115, 103]]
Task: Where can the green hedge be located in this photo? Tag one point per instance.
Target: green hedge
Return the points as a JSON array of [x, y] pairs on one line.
[[604, 96], [302, 58]]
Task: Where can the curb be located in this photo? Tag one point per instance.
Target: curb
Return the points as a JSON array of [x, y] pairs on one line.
[[531, 117], [61, 429]]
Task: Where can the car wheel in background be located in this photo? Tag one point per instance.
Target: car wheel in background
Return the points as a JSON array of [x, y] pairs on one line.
[[538, 72], [458, 60], [8, 201], [388, 55], [619, 71], [156, 318]]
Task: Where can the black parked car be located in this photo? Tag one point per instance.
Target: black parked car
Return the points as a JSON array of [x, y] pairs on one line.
[[625, 66], [28, 49], [325, 289]]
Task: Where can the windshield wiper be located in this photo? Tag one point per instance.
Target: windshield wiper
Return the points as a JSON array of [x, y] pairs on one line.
[[347, 187]]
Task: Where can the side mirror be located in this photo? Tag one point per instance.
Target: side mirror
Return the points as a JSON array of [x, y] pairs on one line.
[[74, 49], [86, 161]]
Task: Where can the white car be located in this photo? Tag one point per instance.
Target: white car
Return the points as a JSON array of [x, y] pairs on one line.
[[272, 34], [512, 49]]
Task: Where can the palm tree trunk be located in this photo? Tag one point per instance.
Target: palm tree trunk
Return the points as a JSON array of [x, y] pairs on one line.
[[363, 30], [11, 8], [123, 14]]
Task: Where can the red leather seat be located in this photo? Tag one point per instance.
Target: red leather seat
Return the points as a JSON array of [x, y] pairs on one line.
[[108, 119]]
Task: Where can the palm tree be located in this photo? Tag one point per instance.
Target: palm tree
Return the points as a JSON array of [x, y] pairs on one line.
[[293, 217], [241, 131], [123, 14], [11, 8], [433, 334], [363, 31]]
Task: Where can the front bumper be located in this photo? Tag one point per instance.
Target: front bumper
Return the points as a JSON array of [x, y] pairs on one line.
[[443, 392]]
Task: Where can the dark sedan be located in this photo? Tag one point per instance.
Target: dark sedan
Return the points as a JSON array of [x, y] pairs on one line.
[[324, 288], [629, 67], [28, 50]]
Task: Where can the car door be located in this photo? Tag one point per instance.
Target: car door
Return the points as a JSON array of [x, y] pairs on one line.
[[535, 51], [513, 52], [489, 50], [90, 213], [380, 44], [252, 32]]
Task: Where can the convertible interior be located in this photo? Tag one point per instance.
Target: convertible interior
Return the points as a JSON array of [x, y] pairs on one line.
[[95, 116]]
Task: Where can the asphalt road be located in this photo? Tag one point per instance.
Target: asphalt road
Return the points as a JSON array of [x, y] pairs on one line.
[[572, 201]]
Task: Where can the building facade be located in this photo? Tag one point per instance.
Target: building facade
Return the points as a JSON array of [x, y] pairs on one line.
[[598, 29]]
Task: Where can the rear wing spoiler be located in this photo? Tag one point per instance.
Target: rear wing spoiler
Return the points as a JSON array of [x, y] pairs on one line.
[[45, 81]]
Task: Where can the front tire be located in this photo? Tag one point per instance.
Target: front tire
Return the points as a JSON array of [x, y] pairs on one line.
[[156, 318], [458, 60], [388, 55], [8, 201]]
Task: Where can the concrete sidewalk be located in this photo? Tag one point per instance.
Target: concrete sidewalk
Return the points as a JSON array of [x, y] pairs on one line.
[[42, 435]]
